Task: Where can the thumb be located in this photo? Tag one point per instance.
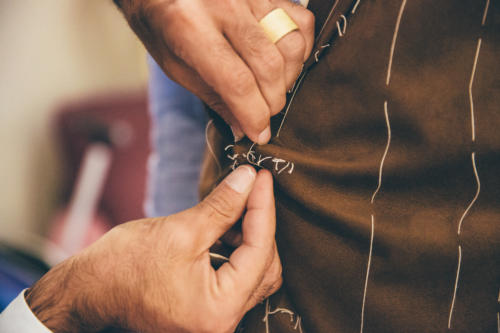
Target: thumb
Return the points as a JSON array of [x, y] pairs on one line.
[[223, 206], [250, 262]]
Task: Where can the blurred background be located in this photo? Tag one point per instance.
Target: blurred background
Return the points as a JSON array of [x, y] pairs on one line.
[[74, 131]]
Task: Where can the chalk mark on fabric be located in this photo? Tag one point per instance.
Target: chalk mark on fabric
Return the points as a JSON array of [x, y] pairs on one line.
[[393, 44], [456, 286], [299, 81], [328, 17]]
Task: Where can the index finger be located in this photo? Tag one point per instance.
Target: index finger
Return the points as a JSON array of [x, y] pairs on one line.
[[222, 68]]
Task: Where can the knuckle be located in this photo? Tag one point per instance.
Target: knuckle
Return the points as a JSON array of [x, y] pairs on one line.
[[272, 65], [294, 47], [280, 103], [276, 285], [308, 20], [260, 121], [219, 206], [215, 102], [241, 82]]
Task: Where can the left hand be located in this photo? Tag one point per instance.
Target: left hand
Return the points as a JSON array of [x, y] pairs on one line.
[[154, 275]]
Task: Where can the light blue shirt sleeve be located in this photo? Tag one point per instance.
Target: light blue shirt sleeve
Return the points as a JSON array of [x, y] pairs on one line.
[[18, 318]]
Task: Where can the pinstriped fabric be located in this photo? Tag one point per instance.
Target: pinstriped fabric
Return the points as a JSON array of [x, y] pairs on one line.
[[389, 221]]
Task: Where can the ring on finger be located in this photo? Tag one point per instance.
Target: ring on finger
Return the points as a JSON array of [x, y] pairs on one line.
[[276, 24]]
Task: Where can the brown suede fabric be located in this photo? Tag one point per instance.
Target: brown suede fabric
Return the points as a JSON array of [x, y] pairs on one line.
[[441, 107]]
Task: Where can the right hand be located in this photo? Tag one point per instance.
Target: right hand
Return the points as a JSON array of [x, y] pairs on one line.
[[217, 50]]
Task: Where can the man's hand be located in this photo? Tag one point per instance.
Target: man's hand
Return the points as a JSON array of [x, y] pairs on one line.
[[154, 275], [217, 50]]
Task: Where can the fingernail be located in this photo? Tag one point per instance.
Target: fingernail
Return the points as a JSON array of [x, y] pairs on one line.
[[241, 179], [237, 133], [264, 136]]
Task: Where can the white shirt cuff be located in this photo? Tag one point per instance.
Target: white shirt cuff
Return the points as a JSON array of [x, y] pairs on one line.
[[18, 318]]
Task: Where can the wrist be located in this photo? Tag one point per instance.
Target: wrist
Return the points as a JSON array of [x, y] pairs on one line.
[[64, 300]]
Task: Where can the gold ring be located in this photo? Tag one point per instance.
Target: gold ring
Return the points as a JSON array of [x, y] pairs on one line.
[[277, 24]]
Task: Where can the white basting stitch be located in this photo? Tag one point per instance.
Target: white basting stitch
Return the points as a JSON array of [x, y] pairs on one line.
[[259, 162], [368, 265], [266, 316], [316, 58], [381, 167], [250, 153], [218, 256], [485, 12], [325, 46], [276, 162], [355, 7], [298, 322], [471, 82], [339, 30], [235, 164], [344, 27], [283, 310], [210, 149], [299, 81], [456, 286], [394, 37], [251, 157], [286, 166], [478, 182]]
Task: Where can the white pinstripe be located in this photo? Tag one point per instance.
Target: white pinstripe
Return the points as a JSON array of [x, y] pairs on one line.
[[368, 265], [485, 13], [476, 175], [456, 286], [355, 7], [393, 44], [471, 98], [478, 182], [381, 167]]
